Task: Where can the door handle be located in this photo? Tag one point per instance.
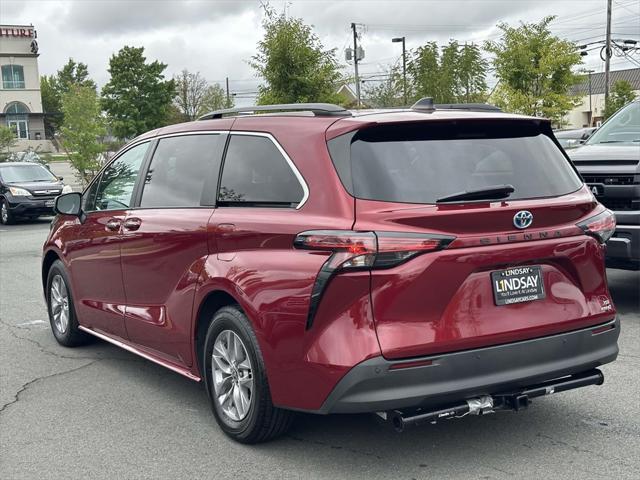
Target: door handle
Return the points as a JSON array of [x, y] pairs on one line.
[[132, 224], [225, 228], [113, 224]]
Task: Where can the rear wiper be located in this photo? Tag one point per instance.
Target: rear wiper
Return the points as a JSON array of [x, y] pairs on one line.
[[486, 193]]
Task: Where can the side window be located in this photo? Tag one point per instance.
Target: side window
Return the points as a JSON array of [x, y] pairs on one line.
[[255, 173], [179, 169], [115, 188]]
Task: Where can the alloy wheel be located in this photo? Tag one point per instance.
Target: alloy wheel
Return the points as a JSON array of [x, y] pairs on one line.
[[59, 303], [232, 375], [4, 213]]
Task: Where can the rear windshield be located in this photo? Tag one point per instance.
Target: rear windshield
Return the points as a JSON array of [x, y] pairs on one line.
[[420, 163], [26, 173]]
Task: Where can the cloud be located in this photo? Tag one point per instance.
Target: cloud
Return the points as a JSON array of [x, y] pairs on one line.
[[217, 38], [138, 16]]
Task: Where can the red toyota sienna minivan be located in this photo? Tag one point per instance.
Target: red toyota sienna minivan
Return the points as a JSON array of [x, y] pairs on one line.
[[421, 264]]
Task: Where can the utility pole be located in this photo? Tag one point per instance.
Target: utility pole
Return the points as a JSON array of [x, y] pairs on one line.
[[355, 61], [228, 99], [607, 54], [590, 108]]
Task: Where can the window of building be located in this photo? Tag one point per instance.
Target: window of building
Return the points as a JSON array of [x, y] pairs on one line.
[[18, 119], [179, 169], [115, 189], [255, 173], [12, 76]]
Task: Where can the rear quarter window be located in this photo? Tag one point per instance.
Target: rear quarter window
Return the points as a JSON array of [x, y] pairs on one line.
[[255, 173], [422, 162]]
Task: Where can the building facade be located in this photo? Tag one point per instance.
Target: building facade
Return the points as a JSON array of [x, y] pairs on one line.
[[20, 99], [590, 112]]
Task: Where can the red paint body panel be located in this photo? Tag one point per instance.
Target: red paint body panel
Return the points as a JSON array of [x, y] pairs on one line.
[[161, 264], [146, 288], [92, 254], [443, 301]]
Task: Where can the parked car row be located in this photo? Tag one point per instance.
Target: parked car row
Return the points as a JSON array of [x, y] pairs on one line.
[[420, 264], [609, 163]]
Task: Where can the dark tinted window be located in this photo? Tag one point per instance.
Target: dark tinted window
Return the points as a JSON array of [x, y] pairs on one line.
[[179, 169], [255, 172], [115, 190], [419, 163]]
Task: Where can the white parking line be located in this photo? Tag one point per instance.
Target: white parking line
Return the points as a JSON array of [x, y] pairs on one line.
[[32, 322]]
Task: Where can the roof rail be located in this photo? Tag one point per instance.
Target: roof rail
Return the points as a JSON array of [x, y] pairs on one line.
[[318, 109], [426, 105]]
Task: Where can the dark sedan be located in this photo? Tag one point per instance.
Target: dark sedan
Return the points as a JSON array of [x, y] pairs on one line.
[[27, 190]]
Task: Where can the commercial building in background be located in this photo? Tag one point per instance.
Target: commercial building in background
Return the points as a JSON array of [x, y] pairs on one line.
[[20, 99], [583, 115]]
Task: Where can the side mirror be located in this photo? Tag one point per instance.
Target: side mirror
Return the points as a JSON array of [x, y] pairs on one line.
[[60, 178], [68, 204]]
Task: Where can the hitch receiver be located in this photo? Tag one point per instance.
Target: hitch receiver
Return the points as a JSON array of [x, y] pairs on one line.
[[515, 401]]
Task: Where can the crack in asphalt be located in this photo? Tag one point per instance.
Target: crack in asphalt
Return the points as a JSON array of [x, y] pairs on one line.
[[44, 349], [25, 386]]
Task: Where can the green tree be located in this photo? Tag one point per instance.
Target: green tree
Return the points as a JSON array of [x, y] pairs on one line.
[[471, 74], [387, 92], [81, 131], [52, 88], [73, 74], [137, 98], [195, 97], [215, 98], [452, 74], [621, 94], [535, 70], [7, 140], [294, 63], [51, 105]]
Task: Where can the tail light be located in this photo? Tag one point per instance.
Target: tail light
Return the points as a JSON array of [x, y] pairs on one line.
[[600, 226], [362, 250]]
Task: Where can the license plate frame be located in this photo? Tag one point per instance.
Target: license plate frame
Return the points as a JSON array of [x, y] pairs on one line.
[[518, 285]]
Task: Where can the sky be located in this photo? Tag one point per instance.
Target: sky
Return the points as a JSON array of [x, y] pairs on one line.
[[218, 38]]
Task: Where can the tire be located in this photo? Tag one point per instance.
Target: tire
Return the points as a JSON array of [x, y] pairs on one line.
[[260, 421], [62, 313], [6, 217]]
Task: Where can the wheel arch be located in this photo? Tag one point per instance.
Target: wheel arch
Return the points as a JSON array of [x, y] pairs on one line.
[[212, 302], [47, 260]]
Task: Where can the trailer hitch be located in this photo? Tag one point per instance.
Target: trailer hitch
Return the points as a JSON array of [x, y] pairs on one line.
[[505, 401]]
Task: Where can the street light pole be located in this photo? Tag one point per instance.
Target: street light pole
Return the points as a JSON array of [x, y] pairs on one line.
[[404, 66]]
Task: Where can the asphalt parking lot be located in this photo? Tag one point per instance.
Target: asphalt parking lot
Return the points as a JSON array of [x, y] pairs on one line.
[[100, 412]]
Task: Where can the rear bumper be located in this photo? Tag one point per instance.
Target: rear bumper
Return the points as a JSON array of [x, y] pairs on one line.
[[372, 386], [623, 249]]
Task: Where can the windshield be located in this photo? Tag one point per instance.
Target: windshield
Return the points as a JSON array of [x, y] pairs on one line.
[[623, 127], [26, 173], [421, 163]]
